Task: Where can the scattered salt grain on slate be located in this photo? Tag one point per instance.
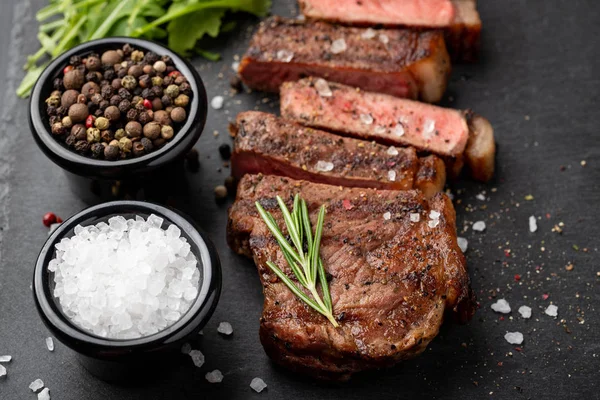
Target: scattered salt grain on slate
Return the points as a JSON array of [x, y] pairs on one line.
[[399, 130], [214, 377], [285, 56], [197, 358], [44, 394], [225, 328], [525, 311], [186, 348], [366, 119], [479, 226], [415, 217], [392, 151], [235, 65], [370, 33], [501, 306], [387, 216], [391, 175], [384, 39], [480, 196], [5, 359], [125, 279], [463, 243], [338, 46], [217, 102], [552, 310], [36, 385], [323, 88], [324, 166], [532, 224], [514, 337], [2, 371], [258, 385], [50, 344]]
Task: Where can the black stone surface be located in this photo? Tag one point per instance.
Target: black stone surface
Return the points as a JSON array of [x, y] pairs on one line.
[[537, 82]]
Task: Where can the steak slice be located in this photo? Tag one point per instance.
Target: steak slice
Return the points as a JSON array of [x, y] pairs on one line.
[[401, 122], [400, 62], [270, 145], [459, 18], [391, 280]]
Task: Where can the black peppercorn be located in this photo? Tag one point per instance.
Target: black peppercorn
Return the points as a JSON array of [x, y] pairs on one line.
[[107, 91], [104, 104], [92, 77], [61, 111], [166, 59], [75, 60], [137, 91], [185, 88], [110, 74], [54, 119], [70, 140], [57, 84], [151, 57], [125, 94], [225, 151], [147, 143], [166, 100], [97, 150], [158, 143], [82, 146], [170, 69], [51, 110], [127, 49], [236, 83], [115, 100], [111, 152], [180, 79], [98, 113], [145, 81], [140, 107], [92, 107], [58, 129], [122, 73], [147, 94], [132, 114], [138, 149], [96, 98], [167, 80]]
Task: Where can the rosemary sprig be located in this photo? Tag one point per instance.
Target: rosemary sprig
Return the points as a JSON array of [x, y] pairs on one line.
[[305, 264]]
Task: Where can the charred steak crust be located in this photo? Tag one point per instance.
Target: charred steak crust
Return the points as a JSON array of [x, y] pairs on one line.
[[270, 145], [391, 280], [407, 63]]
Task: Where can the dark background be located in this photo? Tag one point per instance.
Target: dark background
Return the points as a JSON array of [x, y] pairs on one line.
[[537, 82]]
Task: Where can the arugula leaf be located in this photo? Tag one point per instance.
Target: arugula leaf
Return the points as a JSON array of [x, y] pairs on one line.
[[185, 31]]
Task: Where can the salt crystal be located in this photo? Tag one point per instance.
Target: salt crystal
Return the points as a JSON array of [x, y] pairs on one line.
[[36, 385], [463, 243], [384, 39], [217, 102], [479, 226], [379, 130], [552, 310], [366, 119], [370, 33], [338, 46], [532, 224], [399, 129], [197, 358], [324, 166], [285, 55], [214, 377], [428, 128], [391, 175], [433, 223], [186, 348], [155, 221], [301, 17], [501, 306], [415, 217], [525, 311], [392, 151], [225, 328], [50, 344], [323, 88], [2, 371], [44, 394], [5, 359], [434, 214], [258, 385], [235, 65], [480, 197], [387, 216], [514, 337]]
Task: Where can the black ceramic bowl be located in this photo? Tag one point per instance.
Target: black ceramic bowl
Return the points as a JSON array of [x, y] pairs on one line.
[[96, 173], [116, 359]]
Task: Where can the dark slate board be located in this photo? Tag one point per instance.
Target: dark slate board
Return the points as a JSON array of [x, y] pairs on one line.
[[538, 84]]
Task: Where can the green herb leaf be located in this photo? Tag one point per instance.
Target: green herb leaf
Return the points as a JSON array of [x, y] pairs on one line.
[[185, 31]]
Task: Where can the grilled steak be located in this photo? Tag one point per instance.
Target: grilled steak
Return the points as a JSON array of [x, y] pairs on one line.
[[391, 279], [270, 145], [335, 107], [400, 62], [459, 18]]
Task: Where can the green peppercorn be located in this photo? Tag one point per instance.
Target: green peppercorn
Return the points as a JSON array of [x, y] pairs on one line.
[[68, 98], [78, 112], [133, 129], [172, 91], [125, 145], [93, 135], [58, 129], [67, 122], [120, 133], [129, 82], [182, 100], [112, 113], [111, 152], [152, 130], [53, 101], [138, 149], [162, 117], [157, 81], [110, 57], [178, 114], [166, 132], [102, 123], [73, 79], [137, 55]]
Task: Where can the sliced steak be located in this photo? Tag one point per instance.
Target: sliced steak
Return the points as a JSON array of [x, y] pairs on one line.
[[391, 279], [400, 62], [339, 108], [459, 18], [270, 145]]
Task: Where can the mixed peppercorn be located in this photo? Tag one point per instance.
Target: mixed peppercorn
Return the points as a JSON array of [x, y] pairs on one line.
[[124, 103]]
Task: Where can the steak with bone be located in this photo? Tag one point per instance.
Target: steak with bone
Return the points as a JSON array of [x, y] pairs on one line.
[[458, 18], [394, 270], [451, 134], [270, 145], [400, 62]]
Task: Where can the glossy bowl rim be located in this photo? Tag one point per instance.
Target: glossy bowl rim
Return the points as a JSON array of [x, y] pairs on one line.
[[198, 312], [57, 151]]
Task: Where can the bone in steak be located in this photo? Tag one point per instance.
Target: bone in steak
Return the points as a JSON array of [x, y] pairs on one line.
[[400, 62], [392, 277], [270, 145], [395, 121], [459, 18]]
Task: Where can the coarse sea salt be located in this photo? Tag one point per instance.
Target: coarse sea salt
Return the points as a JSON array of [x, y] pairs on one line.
[[50, 344], [501, 306], [2, 370], [532, 224], [225, 328], [514, 337], [525, 311], [463, 243], [428, 128], [387, 215], [479, 226], [215, 376], [480, 196], [391, 175], [399, 129], [285, 56], [258, 385], [552, 310], [366, 119], [324, 166], [380, 130], [338, 46], [5, 359], [392, 151], [433, 214], [36, 385], [384, 38], [432, 223], [323, 88], [415, 217], [125, 279], [217, 102], [369, 33], [44, 394], [197, 358]]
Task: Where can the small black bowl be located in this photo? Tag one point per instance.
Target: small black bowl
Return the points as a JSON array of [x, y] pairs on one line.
[[130, 359], [100, 180]]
